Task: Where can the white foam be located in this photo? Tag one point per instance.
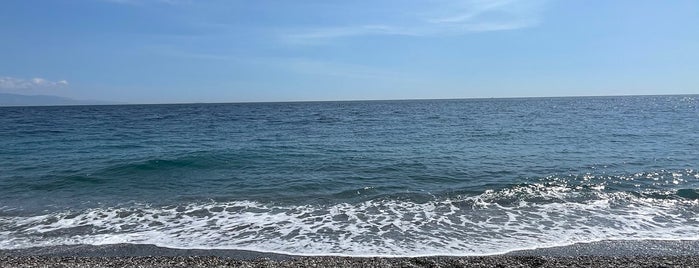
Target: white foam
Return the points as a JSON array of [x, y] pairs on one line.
[[478, 225]]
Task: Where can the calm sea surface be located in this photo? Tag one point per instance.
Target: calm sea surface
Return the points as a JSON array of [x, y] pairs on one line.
[[450, 177]]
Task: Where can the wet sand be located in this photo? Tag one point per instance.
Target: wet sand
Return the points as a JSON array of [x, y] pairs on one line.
[[597, 254]]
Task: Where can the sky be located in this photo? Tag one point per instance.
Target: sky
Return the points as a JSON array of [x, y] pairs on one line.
[[181, 51]]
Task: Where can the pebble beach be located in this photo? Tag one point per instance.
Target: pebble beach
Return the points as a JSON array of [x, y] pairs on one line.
[[598, 254]]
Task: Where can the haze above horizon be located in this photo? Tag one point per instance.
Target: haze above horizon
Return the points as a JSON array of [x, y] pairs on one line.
[[185, 51]]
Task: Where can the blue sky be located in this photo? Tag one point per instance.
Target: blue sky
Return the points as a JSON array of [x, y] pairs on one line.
[[160, 51]]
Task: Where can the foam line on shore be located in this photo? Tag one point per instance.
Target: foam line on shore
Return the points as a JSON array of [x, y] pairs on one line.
[[606, 248]]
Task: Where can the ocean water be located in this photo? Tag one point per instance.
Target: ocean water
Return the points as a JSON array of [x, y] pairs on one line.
[[368, 178]]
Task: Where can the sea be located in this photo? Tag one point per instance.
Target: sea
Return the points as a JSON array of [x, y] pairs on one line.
[[353, 178]]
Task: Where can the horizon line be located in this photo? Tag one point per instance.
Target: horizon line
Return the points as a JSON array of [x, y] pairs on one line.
[[116, 103]]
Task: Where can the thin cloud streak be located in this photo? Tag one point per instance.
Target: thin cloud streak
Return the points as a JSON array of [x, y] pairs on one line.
[[298, 65], [320, 34], [13, 83], [328, 68], [469, 10], [469, 17]]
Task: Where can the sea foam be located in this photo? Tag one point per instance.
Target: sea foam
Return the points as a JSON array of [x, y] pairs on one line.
[[521, 217]]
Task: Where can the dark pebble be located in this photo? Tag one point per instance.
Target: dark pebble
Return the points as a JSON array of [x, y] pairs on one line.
[[489, 261]]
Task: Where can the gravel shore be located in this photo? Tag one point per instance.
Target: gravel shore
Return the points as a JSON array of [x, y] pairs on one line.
[[598, 254], [488, 261]]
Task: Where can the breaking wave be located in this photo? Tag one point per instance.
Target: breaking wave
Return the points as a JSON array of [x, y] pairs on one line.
[[512, 218]]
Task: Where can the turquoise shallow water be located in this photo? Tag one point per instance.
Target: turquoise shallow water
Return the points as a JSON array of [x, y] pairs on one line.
[[425, 177]]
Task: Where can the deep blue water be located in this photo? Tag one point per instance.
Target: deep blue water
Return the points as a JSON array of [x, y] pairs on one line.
[[455, 177]]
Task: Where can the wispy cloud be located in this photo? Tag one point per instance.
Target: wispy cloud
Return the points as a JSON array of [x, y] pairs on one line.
[[438, 18], [316, 67], [465, 11], [13, 83], [296, 65], [319, 34]]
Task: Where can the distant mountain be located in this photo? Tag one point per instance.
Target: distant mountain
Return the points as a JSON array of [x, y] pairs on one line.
[[7, 99]]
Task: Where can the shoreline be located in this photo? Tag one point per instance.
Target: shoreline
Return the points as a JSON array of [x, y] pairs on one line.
[[604, 248], [610, 253]]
